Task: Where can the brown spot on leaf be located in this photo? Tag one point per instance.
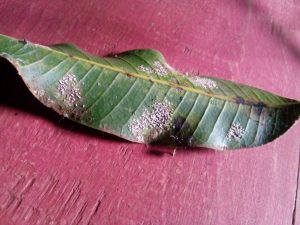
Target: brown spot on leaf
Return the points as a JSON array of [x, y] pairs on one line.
[[178, 124], [23, 41], [174, 80], [176, 135], [180, 90], [180, 130], [257, 106], [240, 100]]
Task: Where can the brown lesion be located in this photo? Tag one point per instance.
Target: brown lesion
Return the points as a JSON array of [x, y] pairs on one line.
[[22, 41], [74, 112], [175, 135], [128, 74], [242, 101]]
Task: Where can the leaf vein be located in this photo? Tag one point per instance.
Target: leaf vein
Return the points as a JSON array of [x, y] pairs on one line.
[[121, 100]]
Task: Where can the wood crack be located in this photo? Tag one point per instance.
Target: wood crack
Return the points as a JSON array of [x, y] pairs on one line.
[[296, 194]]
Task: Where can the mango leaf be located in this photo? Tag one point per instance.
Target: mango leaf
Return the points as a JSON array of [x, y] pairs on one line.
[[136, 95]]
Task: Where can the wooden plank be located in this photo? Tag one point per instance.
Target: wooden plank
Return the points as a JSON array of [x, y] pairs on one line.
[[296, 212], [54, 171]]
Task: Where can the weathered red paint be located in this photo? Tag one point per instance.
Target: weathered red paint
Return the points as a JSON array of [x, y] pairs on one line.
[[53, 171]]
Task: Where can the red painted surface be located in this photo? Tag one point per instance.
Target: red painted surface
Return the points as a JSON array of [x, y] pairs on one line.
[[53, 171]]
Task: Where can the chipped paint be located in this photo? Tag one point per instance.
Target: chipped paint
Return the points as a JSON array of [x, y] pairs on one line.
[[236, 132], [158, 118], [69, 90], [204, 82]]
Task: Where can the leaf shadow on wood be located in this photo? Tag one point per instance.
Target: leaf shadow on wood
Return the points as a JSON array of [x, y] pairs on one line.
[[15, 94], [160, 151], [272, 27]]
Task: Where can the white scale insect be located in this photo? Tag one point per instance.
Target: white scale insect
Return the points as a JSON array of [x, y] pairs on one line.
[[158, 68], [68, 88], [158, 118]]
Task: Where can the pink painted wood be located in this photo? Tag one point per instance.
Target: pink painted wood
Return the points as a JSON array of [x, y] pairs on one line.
[[53, 171]]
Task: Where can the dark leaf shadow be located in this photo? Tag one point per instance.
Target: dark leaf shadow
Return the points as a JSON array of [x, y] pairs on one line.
[[160, 151], [270, 26], [15, 94]]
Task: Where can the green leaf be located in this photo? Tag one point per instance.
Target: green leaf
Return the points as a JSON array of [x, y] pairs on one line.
[[137, 96]]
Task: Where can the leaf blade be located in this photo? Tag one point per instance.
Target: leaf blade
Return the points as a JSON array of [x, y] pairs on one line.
[[137, 96]]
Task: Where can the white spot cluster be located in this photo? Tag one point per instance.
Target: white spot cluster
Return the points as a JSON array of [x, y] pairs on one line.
[[158, 68], [204, 82], [157, 118], [235, 132], [223, 147], [145, 69], [68, 89], [39, 93]]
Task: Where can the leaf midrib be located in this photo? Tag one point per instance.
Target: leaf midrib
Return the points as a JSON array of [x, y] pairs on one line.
[[140, 76], [136, 74]]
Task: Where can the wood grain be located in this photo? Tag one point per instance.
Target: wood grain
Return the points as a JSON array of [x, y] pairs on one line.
[[53, 171]]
